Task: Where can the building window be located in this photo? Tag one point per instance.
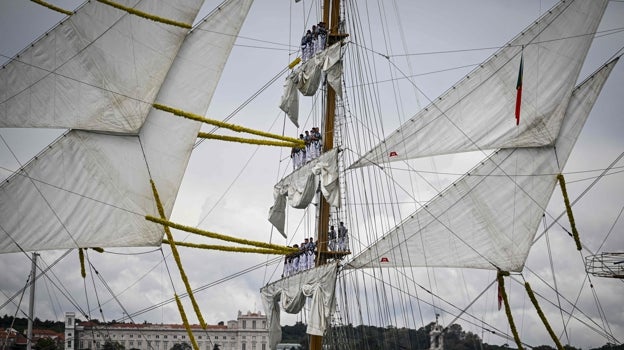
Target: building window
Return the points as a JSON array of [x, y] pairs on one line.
[[69, 334], [165, 336], [69, 344], [157, 336], [263, 324], [131, 335], [244, 324], [199, 337], [139, 343], [131, 343], [216, 337], [69, 322], [175, 337], [82, 343], [253, 338], [244, 346], [184, 337], [224, 337], [263, 346], [244, 337], [253, 324]]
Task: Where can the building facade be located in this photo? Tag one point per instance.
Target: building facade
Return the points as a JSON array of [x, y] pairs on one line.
[[248, 332]]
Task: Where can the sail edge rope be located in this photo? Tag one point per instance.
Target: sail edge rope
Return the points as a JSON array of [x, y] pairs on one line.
[[205, 135], [512, 324], [541, 315], [566, 200], [233, 127], [178, 261], [53, 7], [232, 249], [214, 235], [145, 14]]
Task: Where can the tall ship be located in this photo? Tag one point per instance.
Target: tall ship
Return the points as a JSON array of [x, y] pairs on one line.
[[362, 168]]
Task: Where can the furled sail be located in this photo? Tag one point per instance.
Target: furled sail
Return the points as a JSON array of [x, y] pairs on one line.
[[97, 70], [478, 113], [92, 189], [300, 187], [291, 293], [488, 218], [306, 79]]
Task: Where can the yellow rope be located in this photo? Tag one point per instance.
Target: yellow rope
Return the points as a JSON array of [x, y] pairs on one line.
[[541, 315], [197, 231], [512, 325], [294, 62], [83, 272], [205, 135], [145, 15], [569, 211], [234, 249], [174, 251], [52, 7], [186, 323], [221, 124]]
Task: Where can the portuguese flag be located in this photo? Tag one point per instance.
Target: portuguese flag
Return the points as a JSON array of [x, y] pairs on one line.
[[519, 90]]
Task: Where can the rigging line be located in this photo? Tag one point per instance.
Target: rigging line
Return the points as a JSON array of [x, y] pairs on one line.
[[596, 329], [500, 332], [517, 174], [603, 316], [54, 71], [246, 102], [202, 288], [590, 186], [596, 33], [472, 302], [40, 193], [554, 277], [240, 173], [611, 228], [570, 314]]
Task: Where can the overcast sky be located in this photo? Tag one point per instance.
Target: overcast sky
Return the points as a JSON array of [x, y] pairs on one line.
[[139, 279]]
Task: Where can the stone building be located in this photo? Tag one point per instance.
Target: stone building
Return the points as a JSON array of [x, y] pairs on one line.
[[248, 332]]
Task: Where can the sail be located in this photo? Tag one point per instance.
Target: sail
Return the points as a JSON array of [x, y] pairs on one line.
[[488, 218], [92, 189], [99, 69], [478, 112], [300, 187], [307, 78], [291, 293]]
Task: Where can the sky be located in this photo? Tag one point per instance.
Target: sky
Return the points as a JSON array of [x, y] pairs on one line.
[[228, 188]]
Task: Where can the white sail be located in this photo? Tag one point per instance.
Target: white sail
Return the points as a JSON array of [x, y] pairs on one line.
[[300, 187], [291, 293], [98, 70], [93, 189], [478, 112], [488, 218]]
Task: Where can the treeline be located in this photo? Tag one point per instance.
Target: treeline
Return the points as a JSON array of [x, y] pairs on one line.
[[373, 338], [21, 324]]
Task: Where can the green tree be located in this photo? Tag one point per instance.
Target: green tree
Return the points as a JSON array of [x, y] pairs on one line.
[[45, 344], [181, 346], [113, 345]]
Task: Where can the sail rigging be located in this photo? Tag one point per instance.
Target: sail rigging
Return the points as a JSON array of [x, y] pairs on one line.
[[90, 189], [475, 223]]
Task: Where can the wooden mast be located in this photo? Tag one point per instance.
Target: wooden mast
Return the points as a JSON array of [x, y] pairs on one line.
[[331, 17]]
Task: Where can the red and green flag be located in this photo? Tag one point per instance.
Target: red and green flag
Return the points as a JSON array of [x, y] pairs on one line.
[[519, 90]]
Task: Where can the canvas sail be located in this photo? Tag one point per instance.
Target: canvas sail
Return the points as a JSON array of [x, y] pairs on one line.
[[488, 219], [478, 112], [98, 70], [291, 293], [299, 188], [92, 189]]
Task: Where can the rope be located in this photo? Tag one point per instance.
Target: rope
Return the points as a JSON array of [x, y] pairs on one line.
[[83, 273], [176, 256], [146, 15], [167, 224], [221, 124], [186, 323], [234, 249], [501, 290], [205, 135], [569, 211], [52, 7], [542, 316]]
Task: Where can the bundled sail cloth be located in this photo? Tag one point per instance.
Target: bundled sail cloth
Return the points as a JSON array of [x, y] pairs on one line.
[[478, 113], [291, 294], [92, 189], [300, 187], [488, 218], [307, 77]]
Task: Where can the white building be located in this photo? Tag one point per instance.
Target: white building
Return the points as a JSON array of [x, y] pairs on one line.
[[248, 332]]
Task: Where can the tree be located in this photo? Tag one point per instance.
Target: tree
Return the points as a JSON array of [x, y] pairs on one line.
[[181, 346], [113, 345], [45, 344]]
